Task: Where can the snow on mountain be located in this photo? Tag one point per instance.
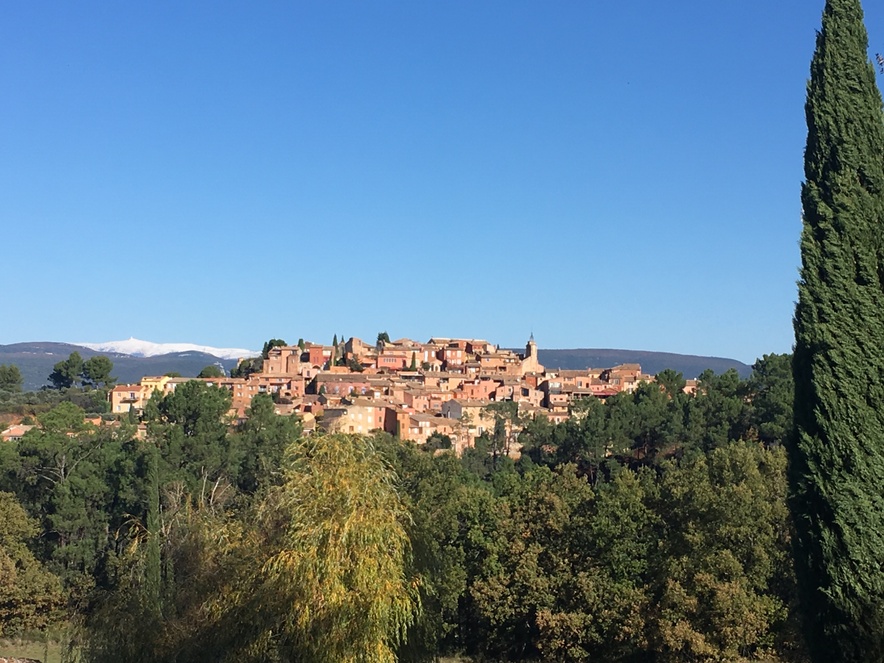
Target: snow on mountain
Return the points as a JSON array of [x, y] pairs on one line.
[[139, 348]]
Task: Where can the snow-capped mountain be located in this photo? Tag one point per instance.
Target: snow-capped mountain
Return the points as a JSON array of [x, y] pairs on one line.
[[138, 348]]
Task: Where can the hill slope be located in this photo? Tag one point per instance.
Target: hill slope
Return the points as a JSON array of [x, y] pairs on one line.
[[35, 361], [651, 362]]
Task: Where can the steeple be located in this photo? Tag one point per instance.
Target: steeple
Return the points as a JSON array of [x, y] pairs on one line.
[[531, 348], [530, 360]]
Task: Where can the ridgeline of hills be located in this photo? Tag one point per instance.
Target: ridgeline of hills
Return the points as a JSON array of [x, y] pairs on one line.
[[651, 362], [35, 361]]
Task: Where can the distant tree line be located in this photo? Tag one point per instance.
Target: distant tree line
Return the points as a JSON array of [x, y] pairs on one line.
[[83, 383]]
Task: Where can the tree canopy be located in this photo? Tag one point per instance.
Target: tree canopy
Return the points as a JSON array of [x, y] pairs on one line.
[[837, 454], [67, 372], [211, 371], [651, 526], [97, 371], [93, 372], [30, 596], [270, 344], [10, 378]]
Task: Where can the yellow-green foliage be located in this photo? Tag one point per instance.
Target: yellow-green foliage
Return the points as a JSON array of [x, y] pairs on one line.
[[317, 573], [30, 596], [339, 573]]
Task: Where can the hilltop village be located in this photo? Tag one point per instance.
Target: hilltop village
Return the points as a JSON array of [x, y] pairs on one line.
[[412, 390]]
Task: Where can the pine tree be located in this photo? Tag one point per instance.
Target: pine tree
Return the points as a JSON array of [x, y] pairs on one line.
[[837, 453]]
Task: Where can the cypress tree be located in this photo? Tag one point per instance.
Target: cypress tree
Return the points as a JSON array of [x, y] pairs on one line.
[[837, 451]]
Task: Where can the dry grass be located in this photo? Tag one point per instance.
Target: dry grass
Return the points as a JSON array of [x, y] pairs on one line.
[[47, 652]]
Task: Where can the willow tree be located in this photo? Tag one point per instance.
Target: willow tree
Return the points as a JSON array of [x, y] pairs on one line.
[[337, 586], [837, 453], [320, 572]]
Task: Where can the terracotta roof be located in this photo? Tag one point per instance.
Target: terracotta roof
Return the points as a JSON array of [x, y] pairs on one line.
[[474, 402], [14, 431], [337, 377]]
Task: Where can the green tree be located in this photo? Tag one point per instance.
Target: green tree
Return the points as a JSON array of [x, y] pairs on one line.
[[437, 441], [837, 455], [64, 419], [672, 382], [507, 422], [451, 517], [83, 483], [269, 345], [67, 372], [247, 366], [30, 596], [724, 578], [97, 371], [260, 442], [772, 394], [564, 574], [582, 440], [211, 371], [720, 414], [190, 425], [170, 586], [10, 378]]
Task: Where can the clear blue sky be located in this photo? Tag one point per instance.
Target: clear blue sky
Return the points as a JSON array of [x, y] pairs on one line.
[[604, 174]]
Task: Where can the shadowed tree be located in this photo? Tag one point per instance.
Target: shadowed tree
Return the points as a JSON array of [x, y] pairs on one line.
[[837, 454], [67, 372], [772, 393]]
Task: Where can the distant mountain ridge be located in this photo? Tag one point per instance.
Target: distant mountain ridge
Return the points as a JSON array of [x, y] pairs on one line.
[[138, 348], [690, 366], [35, 360]]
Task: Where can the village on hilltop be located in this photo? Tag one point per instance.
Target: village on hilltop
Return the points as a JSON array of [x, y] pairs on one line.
[[409, 389]]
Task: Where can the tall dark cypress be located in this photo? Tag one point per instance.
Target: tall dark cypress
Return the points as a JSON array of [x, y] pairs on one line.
[[837, 452]]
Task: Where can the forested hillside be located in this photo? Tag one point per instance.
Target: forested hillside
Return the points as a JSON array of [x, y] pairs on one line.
[[651, 527]]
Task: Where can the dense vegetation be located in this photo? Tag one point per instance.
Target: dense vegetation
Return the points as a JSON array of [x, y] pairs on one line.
[[83, 383], [651, 527], [838, 452]]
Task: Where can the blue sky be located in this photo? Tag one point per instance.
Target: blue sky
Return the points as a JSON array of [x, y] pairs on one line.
[[621, 175]]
